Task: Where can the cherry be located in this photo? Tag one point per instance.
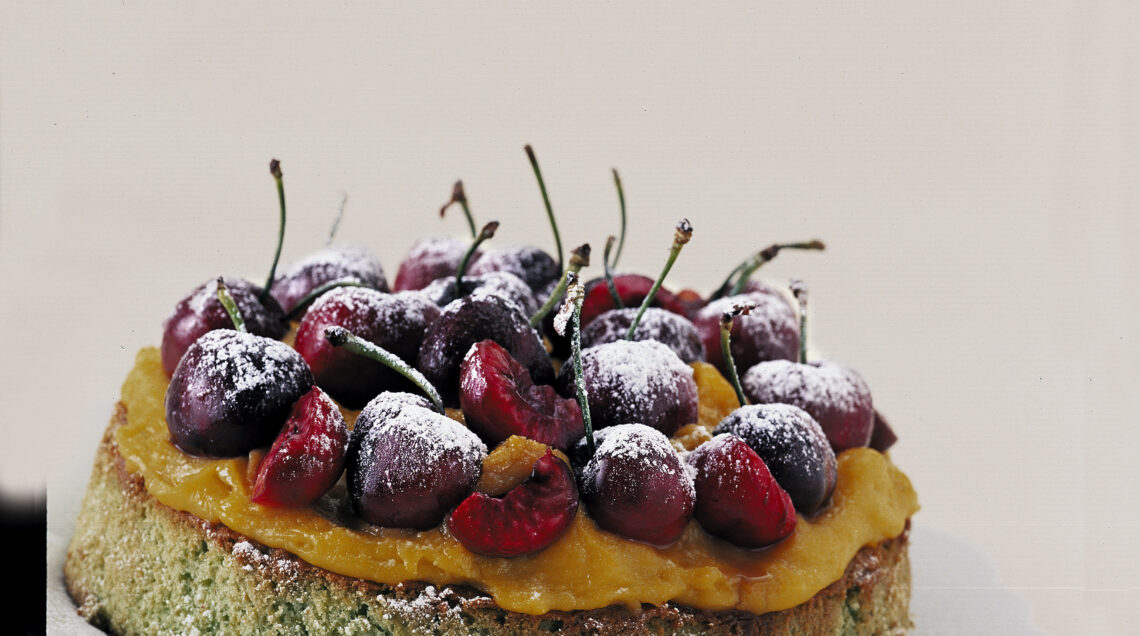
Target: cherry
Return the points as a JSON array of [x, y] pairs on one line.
[[379, 410], [834, 395], [793, 448], [395, 322], [307, 457], [201, 311], [636, 485], [642, 381], [532, 265], [882, 436], [431, 258], [409, 471], [471, 320], [530, 517], [670, 329], [231, 393], [737, 497], [768, 332], [632, 289], [333, 263], [442, 291], [499, 399]]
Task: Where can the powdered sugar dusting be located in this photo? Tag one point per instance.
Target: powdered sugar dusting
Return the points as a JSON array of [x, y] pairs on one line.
[[643, 373], [820, 387], [647, 449], [423, 438], [660, 325], [238, 363]]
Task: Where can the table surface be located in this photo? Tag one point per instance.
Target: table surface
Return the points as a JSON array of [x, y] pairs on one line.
[[971, 168]]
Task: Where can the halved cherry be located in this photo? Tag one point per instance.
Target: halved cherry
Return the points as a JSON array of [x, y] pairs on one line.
[[307, 457], [499, 399], [738, 499], [530, 517]]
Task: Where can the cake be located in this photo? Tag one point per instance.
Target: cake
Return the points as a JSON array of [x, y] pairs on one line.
[[191, 525]]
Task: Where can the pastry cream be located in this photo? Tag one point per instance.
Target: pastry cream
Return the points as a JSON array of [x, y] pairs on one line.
[[584, 569]]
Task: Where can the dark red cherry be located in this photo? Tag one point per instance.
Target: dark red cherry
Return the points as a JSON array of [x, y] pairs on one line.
[[532, 265], [380, 409], [670, 329], [530, 517], [882, 436], [737, 498], [691, 300], [636, 486], [834, 395], [232, 392], [431, 258], [307, 457], [632, 289], [468, 321], [330, 264], [499, 399], [771, 331], [792, 446], [409, 471], [503, 284], [635, 381], [201, 311], [395, 322]]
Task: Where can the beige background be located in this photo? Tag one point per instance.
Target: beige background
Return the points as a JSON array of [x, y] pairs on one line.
[[973, 168]]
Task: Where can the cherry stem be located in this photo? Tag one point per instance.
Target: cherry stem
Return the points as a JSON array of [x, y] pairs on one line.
[[546, 201], [579, 258], [746, 269], [726, 350], [683, 233], [302, 305], [621, 242], [336, 220], [487, 232], [230, 306], [609, 274], [571, 312], [460, 197], [341, 337], [800, 291], [275, 170]]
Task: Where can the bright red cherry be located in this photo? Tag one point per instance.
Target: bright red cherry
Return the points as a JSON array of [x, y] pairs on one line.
[[307, 457]]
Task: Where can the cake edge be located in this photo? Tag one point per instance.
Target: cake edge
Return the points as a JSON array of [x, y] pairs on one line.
[[135, 565]]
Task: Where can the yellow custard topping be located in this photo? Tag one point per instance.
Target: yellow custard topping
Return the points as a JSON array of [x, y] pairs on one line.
[[586, 568]]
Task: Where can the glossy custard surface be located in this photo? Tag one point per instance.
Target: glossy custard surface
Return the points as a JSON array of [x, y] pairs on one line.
[[586, 568]]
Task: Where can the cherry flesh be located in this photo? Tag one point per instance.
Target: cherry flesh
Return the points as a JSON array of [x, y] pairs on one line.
[[330, 264], [793, 448], [635, 381], [670, 329], [530, 517], [409, 471], [636, 486], [395, 322], [499, 399], [232, 392], [834, 395], [201, 311], [431, 258], [770, 331], [469, 320], [307, 457], [738, 499]]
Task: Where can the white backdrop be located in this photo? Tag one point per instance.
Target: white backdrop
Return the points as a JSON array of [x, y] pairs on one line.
[[972, 167]]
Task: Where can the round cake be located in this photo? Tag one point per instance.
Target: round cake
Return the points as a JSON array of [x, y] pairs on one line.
[[267, 472]]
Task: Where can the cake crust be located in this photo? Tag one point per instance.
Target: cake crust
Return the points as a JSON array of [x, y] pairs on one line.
[[136, 566]]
